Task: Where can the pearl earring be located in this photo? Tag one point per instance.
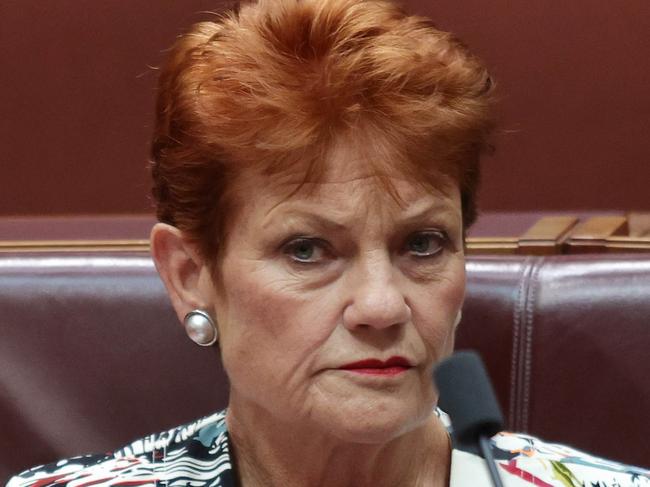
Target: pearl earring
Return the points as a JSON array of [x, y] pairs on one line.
[[200, 328]]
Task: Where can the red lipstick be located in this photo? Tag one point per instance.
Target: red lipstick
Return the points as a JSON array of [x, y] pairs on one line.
[[373, 366]]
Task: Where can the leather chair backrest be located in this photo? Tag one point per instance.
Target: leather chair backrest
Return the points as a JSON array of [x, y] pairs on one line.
[[92, 355], [567, 342]]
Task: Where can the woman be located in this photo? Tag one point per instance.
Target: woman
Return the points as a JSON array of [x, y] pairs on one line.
[[315, 165]]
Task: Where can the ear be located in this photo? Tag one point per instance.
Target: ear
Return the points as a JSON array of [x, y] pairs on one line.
[[180, 267]]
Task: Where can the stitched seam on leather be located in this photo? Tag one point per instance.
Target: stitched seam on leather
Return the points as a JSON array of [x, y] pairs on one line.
[[514, 363], [512, 408], [531, 296], [521, 335]]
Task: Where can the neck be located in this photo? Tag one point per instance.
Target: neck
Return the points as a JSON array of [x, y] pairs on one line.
[[270, 453]]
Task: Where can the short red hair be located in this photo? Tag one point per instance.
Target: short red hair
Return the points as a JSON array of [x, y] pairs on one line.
[[272, 85]]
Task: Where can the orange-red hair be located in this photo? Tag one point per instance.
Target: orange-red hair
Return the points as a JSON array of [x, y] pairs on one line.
[[272, 85]]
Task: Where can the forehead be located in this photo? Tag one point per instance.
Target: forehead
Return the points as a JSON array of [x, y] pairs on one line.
[[351, 176], [356, 191], [368, 165], [349, 201]]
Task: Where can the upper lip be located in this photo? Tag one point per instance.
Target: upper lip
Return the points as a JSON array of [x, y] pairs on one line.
[[373, 363]]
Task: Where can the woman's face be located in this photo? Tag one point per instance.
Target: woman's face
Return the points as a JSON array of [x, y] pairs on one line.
[[336, 302]]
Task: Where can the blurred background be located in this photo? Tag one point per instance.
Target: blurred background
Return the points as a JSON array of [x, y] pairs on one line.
[[78, 84]]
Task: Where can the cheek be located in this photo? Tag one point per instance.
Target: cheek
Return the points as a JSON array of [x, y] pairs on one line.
[[438, 307], [270, 332]]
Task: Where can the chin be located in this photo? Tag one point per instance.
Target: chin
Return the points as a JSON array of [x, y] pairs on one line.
[[375, 423]]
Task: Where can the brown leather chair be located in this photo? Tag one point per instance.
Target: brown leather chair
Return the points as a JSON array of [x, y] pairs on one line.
[[567, 341], [92, 356]]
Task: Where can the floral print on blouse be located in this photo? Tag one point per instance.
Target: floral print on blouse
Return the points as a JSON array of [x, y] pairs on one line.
[[198, 454]]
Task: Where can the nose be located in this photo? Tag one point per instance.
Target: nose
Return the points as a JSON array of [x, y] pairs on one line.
[[376, 299]]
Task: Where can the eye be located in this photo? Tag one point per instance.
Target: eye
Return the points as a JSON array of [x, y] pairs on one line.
[[426, 244], [305, 250]]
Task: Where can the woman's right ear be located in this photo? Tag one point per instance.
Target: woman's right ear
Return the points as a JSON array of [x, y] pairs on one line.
[[179, 266]]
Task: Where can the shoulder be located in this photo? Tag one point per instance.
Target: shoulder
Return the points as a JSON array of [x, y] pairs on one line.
[[197, 451], [544, 463]]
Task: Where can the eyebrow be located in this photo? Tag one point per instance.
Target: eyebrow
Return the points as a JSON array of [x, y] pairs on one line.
[[438, 210], [309, 217]]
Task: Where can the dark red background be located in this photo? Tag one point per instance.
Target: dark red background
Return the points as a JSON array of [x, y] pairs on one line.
[[76, 100]]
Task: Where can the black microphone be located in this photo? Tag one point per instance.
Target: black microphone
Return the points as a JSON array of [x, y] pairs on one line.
[[466, 394]]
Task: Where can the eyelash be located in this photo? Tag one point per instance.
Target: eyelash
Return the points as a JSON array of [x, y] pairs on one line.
[[320, 245], [292, 244], [441, 238]]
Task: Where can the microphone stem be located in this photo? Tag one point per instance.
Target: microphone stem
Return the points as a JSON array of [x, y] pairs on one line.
[[486, 451]]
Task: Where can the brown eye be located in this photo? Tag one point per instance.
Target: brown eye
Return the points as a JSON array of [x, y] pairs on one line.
[[426, 244]]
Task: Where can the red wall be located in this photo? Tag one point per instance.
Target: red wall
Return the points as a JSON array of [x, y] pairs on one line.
[[574, 81]]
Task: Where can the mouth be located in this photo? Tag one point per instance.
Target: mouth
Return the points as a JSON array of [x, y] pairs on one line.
[[393, 366]]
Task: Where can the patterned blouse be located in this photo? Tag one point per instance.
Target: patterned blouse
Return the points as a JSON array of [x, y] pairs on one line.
[[198, 454]]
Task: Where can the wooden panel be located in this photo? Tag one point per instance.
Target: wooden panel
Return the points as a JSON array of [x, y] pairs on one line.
[[627, 244], [487, 245], [547, 235], [73, 245], [601, 227], [639, 224], [592, 235]]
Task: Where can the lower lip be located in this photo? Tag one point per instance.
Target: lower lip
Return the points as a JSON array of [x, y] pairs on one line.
[[379, 371]]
